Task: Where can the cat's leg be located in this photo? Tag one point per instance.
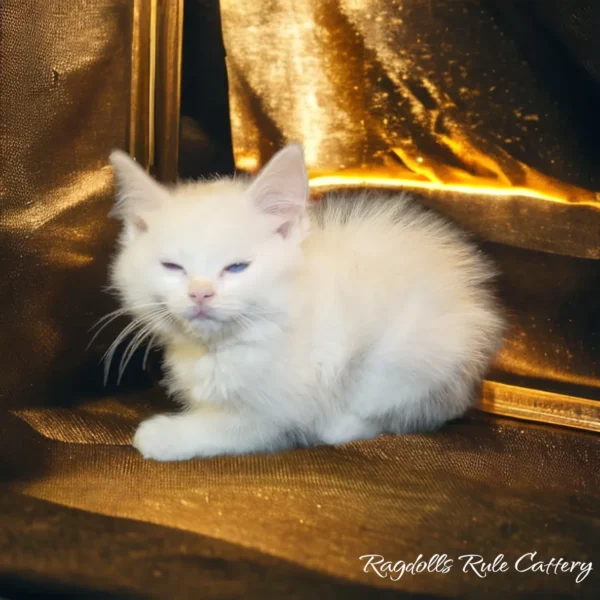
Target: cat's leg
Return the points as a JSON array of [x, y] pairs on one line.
[[206, 432], [348, 428]]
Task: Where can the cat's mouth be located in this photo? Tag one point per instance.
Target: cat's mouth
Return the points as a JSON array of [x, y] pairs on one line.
[[200, 314]]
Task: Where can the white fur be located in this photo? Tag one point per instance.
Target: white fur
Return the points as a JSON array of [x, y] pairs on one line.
[[357, 316]]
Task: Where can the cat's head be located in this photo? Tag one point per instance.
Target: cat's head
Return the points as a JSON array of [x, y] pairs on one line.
[[201, 256]]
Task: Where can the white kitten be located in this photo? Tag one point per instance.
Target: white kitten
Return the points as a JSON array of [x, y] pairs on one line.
[[289, 324]]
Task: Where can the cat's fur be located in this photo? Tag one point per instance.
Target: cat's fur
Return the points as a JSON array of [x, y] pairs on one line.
[[358, 315]]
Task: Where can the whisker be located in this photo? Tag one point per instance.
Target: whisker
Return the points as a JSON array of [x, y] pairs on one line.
[[104, 321], [110, 352], [130, 350], [147, 352], [124, 310], [148, 324], [108, 321], [138, 339]]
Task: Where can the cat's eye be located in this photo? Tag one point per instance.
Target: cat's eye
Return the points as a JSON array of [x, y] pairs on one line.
[[171, 266], [236, 267]]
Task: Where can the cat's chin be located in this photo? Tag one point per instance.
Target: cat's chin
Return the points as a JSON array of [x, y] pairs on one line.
[[202, 327]]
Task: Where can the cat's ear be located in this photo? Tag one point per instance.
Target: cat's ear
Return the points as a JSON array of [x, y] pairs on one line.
[[137, 193], [281, 188]]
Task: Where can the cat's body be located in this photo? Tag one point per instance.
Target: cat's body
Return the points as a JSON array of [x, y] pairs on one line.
[[356, 316]]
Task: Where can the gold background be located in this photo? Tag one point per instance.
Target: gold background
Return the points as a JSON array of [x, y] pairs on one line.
[[79, 506]]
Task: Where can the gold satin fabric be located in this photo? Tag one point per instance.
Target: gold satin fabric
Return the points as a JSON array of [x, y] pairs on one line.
[[365, 86], [429, 97], [499, 484], [64, 104]]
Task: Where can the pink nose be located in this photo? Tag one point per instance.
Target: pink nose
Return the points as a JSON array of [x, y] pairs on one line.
[[200, 290], [200, 296]]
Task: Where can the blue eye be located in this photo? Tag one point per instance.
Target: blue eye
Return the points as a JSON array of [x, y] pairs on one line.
[[237, 267]]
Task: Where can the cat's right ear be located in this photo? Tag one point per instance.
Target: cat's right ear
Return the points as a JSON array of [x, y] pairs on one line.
[[137, 193]]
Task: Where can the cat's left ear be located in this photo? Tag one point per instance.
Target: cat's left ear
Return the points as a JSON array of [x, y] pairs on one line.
[[281, 188]]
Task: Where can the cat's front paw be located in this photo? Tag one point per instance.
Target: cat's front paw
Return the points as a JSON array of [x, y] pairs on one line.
[[160, 438]]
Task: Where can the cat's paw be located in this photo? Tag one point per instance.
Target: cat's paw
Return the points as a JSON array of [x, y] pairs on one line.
[[160, 438]]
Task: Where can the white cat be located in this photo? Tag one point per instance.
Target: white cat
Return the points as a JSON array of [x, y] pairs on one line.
[[289, 324]]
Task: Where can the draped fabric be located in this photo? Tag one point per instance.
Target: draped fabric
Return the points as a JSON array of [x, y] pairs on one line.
[[82, 515], [64, 104]]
